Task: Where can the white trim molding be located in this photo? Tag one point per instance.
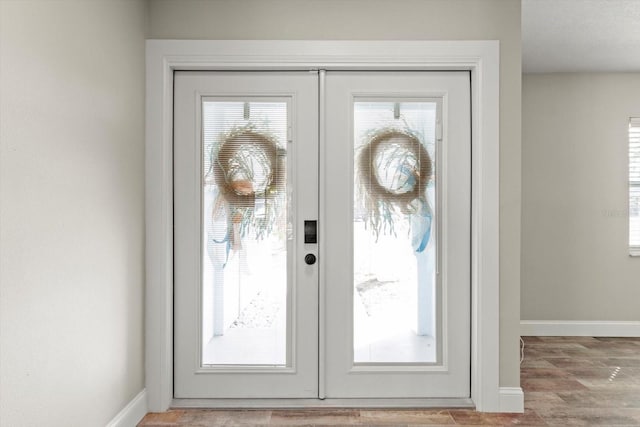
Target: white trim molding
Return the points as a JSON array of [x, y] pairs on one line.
[[482, 58], [131, 414], [579, 328], [511, 399]]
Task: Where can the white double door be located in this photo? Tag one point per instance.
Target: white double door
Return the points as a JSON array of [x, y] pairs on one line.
[[322, 234]]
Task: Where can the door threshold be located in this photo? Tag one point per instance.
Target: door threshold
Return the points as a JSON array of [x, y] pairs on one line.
[[383, 403]]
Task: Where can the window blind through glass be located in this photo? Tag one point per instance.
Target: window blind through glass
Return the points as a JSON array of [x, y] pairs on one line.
[[634, 185]]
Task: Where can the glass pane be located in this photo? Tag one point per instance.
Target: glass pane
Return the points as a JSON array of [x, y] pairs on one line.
[[394, 232], [634, 182], [634, 215], [244, 277]]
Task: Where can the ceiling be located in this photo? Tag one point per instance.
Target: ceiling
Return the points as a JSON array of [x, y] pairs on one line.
[[580, 35]]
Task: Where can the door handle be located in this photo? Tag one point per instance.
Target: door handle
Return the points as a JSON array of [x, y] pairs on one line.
[[310, 259]]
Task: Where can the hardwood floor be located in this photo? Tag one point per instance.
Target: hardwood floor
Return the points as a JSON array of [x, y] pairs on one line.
[[567, 381]]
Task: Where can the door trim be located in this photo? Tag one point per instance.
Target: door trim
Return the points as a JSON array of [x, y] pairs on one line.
[[482, 58]]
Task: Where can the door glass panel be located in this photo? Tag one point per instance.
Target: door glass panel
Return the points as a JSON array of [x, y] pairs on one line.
[[394, 232], [244, 238]]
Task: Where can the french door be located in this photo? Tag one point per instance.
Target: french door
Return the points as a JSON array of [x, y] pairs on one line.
[[321, 258]]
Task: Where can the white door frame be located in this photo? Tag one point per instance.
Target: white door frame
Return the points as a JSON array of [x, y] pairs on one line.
[[163, 57]]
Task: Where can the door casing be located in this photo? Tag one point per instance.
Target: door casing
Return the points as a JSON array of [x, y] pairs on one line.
[[481, 58]]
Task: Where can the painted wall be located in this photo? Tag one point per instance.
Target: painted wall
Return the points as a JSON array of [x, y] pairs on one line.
[[71, 219], [575, 263], [391, 20]]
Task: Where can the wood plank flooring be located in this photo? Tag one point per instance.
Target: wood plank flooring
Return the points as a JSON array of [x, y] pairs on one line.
[[567, 381]]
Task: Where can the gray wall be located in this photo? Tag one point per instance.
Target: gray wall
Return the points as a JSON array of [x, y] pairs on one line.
[[391, 20], [575, 263], [71, 219]]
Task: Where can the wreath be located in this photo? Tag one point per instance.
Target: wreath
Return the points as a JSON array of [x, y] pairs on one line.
[[248, 165], [393, 171]]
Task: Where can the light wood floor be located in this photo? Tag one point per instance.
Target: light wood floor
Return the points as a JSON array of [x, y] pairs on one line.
[[567, 381]]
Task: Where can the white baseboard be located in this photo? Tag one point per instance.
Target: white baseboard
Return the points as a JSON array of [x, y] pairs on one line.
[[511, 399], [131, 414], [579, 328]]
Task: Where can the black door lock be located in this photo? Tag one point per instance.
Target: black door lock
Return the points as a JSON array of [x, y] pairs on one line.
[[310, 259]]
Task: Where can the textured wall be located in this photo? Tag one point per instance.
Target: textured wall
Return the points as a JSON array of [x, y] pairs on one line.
[[575, 263], [72, 210]]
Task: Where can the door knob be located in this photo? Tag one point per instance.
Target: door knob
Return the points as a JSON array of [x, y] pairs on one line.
[[310, 259]]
